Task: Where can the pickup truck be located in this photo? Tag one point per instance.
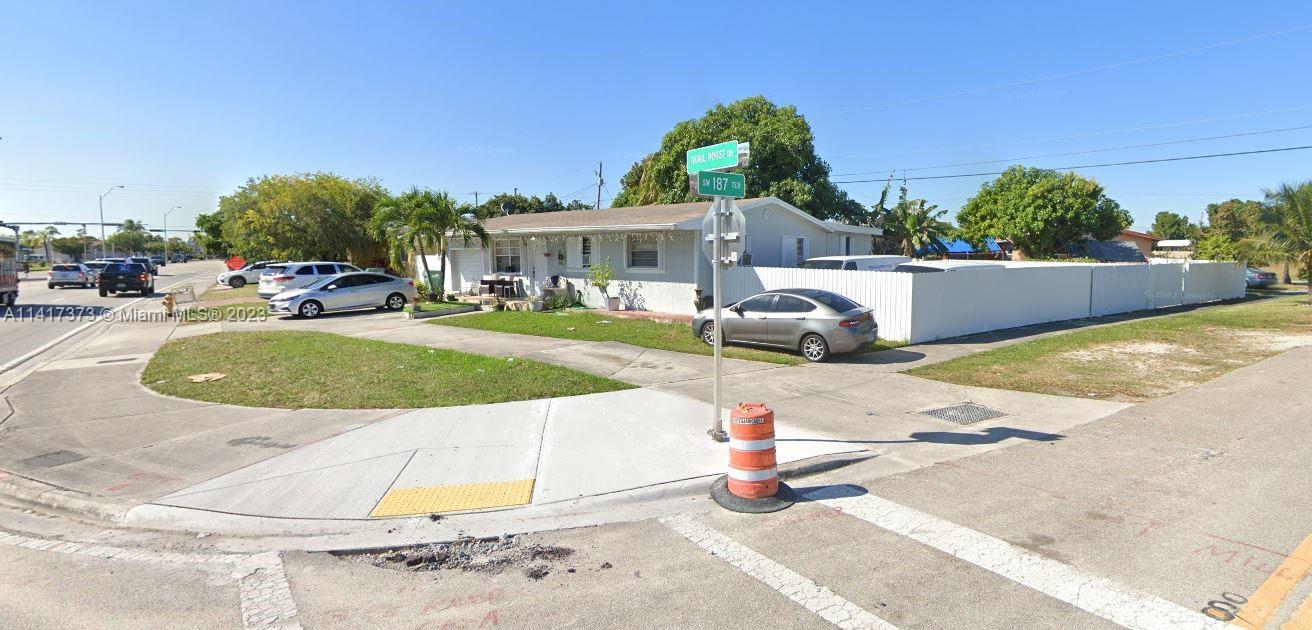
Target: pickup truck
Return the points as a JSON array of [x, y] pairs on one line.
[[125, 277]]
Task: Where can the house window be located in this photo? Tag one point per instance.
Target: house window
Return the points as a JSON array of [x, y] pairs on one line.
[[507, 256], [644, 252], [585, 251]]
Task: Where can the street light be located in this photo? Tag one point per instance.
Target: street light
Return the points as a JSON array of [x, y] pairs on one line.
[[102, 218], [166, 232]]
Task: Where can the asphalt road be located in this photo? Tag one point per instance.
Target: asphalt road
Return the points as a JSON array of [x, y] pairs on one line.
[[42, 314]]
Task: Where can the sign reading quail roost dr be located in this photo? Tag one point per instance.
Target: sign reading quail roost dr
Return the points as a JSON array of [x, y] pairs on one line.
[[722, 155]]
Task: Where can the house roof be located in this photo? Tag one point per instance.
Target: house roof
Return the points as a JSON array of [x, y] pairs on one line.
[[1140, 235], [675, 216]]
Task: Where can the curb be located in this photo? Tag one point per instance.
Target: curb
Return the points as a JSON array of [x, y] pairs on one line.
[[450, 311], [37, 494]]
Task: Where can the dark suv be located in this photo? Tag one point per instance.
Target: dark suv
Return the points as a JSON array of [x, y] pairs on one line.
[[126, 277]]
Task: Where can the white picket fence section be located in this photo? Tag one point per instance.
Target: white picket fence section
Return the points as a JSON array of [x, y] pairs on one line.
[[928, 306]]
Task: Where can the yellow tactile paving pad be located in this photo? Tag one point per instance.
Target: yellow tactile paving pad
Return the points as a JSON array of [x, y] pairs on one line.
[[454, 498]]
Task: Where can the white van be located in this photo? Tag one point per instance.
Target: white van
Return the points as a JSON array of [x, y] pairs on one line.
[[858, 263], [936, 266]]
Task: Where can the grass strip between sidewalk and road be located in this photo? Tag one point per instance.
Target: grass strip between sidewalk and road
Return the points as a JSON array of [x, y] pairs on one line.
[[597, 326], [295, 370], [1138, 360]]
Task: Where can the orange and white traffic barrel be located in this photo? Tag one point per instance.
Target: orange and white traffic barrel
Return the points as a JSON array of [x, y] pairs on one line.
[[753, 473]]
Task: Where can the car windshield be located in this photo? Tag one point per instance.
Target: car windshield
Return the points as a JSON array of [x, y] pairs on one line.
[[823, 264]]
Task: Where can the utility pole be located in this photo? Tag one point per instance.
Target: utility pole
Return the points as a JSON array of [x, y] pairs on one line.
[[102, 218], [475, 198], [166, 232], [601, 181]]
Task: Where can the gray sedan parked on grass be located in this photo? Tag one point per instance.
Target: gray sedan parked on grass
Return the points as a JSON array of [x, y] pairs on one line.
[[814, 322], [345, 291]]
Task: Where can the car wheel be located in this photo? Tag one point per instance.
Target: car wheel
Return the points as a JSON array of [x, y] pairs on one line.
[[237, 282], [708, 333], [103, 292], [395, 302], [309, 309], [814, 348], [147, 291], [50, 285]]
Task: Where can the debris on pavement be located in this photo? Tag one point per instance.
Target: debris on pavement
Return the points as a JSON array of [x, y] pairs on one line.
[[489, 555], [207, 377]]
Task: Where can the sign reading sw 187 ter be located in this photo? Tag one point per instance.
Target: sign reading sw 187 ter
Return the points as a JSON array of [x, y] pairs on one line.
[[712, 184], [723, 155]]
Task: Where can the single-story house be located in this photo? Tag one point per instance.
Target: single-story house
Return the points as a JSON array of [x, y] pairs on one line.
[[655, 251], [1145, 242], [1113, 251]]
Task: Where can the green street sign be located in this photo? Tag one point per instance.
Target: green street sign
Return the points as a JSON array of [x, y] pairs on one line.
[[712, 184], [723, 155]]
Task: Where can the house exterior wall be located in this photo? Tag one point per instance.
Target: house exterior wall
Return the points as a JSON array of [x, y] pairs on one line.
[[1145, 245]]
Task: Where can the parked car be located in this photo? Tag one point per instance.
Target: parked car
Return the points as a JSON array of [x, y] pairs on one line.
[[279, 278], [239, 278], [814, 322], [125, 277], [1258, 278], [65, 274], [144, 261], [158, 261], [179, 258], [345, 292], [859, 263]]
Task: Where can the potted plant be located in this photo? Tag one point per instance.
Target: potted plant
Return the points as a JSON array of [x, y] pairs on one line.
[[599, 275]]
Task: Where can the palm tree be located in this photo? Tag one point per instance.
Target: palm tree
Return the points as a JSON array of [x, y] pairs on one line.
[[916, 225], [1288, 233], [421, 218]]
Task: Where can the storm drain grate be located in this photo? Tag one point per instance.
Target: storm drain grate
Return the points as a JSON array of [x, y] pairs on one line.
[[964, 413], [50, 460]]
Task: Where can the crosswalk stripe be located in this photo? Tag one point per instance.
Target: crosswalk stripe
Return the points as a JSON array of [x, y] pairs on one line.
[[1097, 595], [795, 586]]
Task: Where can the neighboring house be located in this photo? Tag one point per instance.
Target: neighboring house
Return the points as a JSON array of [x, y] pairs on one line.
[[1107, 251], [1145, 242], [960, 249], [654, 251]]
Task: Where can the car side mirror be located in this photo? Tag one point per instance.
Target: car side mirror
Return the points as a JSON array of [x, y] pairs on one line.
[[736, 309], [331, 287]]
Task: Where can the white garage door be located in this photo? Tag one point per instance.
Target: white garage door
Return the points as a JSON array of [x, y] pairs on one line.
[[469, 267]]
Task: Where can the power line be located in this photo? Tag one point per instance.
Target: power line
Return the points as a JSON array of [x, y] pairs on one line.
[[1065, 168], [1088, 134], [1104, 150], [1062, 75]]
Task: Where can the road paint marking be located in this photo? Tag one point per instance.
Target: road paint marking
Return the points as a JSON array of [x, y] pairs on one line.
[[1302, 619], [1264, 602], [815, 598], [1097, 595], [266, 596]]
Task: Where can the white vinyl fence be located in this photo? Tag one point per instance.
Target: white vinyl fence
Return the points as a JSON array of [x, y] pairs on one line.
[[928, 306]]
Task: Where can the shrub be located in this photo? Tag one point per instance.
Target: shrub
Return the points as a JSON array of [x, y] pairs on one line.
[[422, 289], [600, 275]]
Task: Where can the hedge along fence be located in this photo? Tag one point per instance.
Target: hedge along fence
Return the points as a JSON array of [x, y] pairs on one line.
[[927, 306]]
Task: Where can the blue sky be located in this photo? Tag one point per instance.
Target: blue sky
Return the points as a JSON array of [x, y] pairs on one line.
[[183, 101]]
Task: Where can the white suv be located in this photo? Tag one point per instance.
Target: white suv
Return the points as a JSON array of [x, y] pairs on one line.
[[239, 278], [286, 276]]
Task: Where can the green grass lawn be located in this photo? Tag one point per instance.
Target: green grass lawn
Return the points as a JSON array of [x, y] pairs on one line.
[[321, 370], [427, 307], [1138, 360], [219, 292], [587, 326]]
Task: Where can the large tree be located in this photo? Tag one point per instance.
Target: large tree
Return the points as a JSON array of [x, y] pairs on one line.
[[309, 216], [210, 236], [1236, 219], [130, 238], [783, 160], [1041, 211], [912, 226], [1170, 225]]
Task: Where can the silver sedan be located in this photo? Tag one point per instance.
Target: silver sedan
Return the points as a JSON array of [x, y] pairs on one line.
[[345, 291], [814, 322]]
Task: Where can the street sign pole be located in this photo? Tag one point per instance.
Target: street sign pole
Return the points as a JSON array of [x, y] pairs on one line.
[[717, 421]]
